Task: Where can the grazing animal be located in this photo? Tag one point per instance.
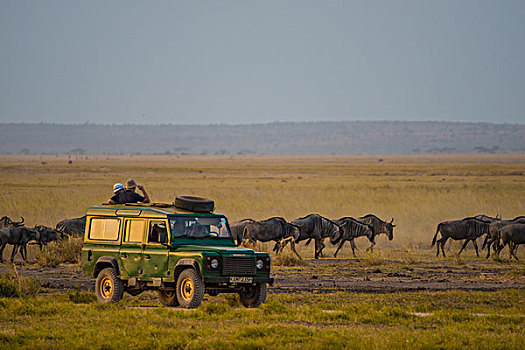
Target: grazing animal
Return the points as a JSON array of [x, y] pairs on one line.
[[380, 227], [274, 229], [492, 237], [7, 222], [17, 236], [468, 229], [237, 229], [47, 234], [318, 228], [351, 229], [514, 233], [73, 227]]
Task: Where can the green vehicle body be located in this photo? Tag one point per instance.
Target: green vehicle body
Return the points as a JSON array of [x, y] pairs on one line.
[[112, 241]]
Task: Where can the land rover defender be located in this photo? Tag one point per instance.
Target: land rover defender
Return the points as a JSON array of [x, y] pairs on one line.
[[182, 253]]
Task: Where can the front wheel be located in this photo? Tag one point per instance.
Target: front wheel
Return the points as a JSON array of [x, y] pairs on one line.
[[109, 288], [253, 296], [190, 289]]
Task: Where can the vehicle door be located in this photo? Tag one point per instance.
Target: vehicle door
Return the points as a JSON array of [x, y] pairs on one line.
[[155, 253], [132, 245]]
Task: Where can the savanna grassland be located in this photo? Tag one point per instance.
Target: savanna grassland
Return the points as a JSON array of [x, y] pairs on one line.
[[399, 296], [418, 191]]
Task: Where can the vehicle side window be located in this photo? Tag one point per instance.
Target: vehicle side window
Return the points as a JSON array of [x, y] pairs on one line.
[[105, 229], [134, 231], [157, 232]]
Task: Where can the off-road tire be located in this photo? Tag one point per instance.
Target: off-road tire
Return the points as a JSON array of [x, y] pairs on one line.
[[108, 287], [168, 297], [194, 204], [190, 289], [253, 296]]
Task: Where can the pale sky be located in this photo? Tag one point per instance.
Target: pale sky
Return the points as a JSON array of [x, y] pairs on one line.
[[241, 62]]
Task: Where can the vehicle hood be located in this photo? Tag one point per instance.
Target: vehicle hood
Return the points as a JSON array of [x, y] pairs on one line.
[[217, 249]]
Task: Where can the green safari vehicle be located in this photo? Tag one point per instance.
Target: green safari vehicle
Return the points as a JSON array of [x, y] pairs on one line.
[[181, 250]]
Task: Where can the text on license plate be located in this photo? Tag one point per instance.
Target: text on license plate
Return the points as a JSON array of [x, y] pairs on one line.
[[241, 279]]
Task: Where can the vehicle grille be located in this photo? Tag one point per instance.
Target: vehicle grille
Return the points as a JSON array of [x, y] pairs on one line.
[[239, 265]]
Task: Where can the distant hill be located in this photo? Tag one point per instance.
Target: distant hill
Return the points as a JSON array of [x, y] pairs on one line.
[[290, 138]]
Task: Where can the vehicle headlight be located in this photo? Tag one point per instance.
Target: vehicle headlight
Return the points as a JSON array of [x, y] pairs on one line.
[[259, 264], [214, 263]]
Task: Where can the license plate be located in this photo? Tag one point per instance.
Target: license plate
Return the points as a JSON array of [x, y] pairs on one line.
[[241, 279]]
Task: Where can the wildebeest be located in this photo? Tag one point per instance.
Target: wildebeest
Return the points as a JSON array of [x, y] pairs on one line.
[[380, 227], [47, 234], [318, 228], [274, 229], [73, 227], [492, 237], [7, 222], [17, 236], [514, 233], [237, 229], [351, 229], [468, 229]]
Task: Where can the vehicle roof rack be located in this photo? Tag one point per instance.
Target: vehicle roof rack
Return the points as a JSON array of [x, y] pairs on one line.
[[155, 205]]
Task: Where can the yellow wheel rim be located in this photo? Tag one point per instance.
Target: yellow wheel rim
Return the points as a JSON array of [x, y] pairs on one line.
[[186, 289], [106, 287]]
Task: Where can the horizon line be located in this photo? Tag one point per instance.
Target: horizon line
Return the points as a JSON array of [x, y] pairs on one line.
[[253, 124]]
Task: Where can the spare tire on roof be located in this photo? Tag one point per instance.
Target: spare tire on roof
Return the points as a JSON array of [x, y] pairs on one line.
[[195, 204]]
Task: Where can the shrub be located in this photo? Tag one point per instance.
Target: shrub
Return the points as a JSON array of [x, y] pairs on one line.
[[60, 252], [12, 285], [287, 259]]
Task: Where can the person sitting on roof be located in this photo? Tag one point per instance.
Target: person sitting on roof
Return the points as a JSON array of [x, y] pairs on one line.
[[128, 195]]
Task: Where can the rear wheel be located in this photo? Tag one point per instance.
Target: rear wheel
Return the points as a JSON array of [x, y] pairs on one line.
[[168, 297], [108, 287], [190, 289], [253, 296]]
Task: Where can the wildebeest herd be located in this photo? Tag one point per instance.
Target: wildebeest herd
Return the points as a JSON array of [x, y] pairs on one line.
[[16, 234], [499, 233], [312, 227]]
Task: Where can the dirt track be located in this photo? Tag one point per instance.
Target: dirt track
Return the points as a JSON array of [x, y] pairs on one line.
[[330, 275]]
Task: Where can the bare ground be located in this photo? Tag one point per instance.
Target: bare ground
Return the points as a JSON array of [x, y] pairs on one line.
[[332, 275]]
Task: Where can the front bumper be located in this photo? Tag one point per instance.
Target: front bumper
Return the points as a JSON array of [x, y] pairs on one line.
[[226, 280]]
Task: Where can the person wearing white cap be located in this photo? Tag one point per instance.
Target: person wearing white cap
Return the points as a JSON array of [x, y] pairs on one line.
[[117, 189]]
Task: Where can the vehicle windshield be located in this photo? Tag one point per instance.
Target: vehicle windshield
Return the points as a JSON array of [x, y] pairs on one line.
[[198, 227]]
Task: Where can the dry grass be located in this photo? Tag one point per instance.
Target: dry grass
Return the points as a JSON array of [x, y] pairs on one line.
[[418, 191], [64, 251], [12, 285], [288, 259]]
